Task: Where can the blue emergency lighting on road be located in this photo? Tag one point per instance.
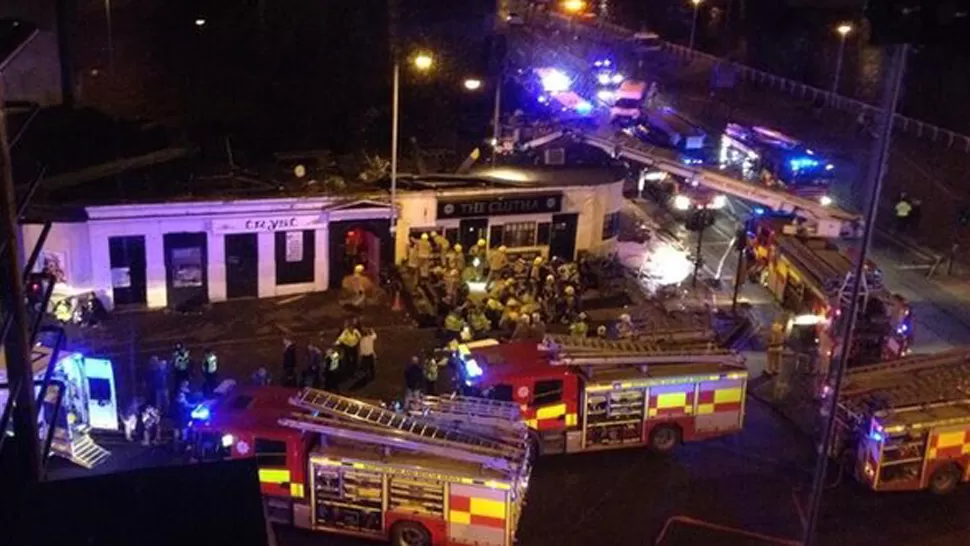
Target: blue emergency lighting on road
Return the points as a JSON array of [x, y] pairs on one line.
[[829, 167], [200, 413], [584, 108], [759, 211], [555, 81], [472, 369], [876, 436]]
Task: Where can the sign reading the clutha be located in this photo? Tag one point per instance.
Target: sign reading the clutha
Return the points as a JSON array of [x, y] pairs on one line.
[[501, 206]]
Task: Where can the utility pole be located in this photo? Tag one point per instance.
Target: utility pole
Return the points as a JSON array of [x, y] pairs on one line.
[[877, 171], [16, 344]]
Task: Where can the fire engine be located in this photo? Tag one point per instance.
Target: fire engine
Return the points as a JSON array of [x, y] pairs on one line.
[[340, 465], [812, 278], [585, 394], [905, 425]]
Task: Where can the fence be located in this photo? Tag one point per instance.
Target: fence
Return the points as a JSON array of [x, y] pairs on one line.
[[907, 125]]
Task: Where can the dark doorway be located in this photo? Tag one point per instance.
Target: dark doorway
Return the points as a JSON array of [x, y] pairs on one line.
[[562, 243], [471, 231], [367, 243], [186, 270], [242, 265], [295, 257], [128, 282]]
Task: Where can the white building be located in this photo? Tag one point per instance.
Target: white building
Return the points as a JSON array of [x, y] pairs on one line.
[[180, 254], [552, 212]]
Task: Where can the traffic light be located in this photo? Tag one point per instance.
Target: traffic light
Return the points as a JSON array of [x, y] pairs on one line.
[[918, 22]]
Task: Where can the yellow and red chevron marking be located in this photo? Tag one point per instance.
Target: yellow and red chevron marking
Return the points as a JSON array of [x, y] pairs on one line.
[[670, 404], [717, 400], [476, 506]]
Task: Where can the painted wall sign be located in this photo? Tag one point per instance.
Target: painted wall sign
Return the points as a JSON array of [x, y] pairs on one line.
[[271, 224], [500, 206]]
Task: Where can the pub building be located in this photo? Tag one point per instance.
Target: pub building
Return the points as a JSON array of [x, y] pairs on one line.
[[531, 211], [185, 254]]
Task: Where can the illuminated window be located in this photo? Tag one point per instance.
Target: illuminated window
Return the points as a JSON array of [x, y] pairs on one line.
[[519, 234], [611, 225]]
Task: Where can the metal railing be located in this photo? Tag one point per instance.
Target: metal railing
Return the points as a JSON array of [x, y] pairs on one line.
[[911, 126]]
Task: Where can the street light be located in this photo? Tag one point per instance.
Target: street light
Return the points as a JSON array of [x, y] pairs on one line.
[[693, 27], [573, 6], [423, 62], [844, 29], [473, 84]]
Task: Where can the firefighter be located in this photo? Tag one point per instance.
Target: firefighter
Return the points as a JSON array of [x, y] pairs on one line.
[[210, 366], [441, 242], [478, 251], [331, 370], [181, 363], [579, 327], [520, 268], [357, 285], [430, 376], [453, 325], [452, 281], [538, 332], [493, 310], [451, 259], [347, 342], [523, 330], [535, 272], [150, 421], [479, 322], [497, 260], [289, 363], [903, 209], [570, 303], [776, 347], [601, 332], [625, 328], [459, 257], [424, 255]]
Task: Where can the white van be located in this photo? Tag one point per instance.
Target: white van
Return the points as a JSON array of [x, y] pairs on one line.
[[629, 99]]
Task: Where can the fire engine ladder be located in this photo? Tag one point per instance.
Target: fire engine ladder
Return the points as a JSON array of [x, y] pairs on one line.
[[495, 416], [390, 428], [574, 351]]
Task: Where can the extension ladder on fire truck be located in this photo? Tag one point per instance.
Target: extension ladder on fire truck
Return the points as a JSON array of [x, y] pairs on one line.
[[586, 351], [415, 428], [462, 412]]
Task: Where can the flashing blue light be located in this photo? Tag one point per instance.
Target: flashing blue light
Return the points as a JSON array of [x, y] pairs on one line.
[[543, 99], [555, 81], [584, 107], [759, 211], [829, 167], [472, 369], [200, 413], [802, 163], [876, 436], [902, 328]]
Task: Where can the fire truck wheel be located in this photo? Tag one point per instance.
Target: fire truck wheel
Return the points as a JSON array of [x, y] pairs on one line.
[[664, 438], [945, 479], [409, 533]]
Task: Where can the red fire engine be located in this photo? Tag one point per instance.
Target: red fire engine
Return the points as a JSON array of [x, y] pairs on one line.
[[812, 278], [340, 465], [905, 425], [584, 394]]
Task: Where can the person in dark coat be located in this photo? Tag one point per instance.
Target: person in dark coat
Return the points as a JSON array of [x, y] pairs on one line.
[[289, 363], [313, 374], [414, 381]]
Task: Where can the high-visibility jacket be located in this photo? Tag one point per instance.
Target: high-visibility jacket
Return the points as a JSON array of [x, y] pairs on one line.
[[180, 360], [903, 209], [349, 337], [430, 370], [579, 329], [453, 322], [210, 364]]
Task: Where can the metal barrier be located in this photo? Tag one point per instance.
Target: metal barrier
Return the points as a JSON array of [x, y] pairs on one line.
[[908, 125]]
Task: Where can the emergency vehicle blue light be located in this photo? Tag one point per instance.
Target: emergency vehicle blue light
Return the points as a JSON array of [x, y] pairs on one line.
[[802, 163], [472, 369], [584, 107], [876, 436], [829, 167], [759, 211], [201, 413], [902, 328]]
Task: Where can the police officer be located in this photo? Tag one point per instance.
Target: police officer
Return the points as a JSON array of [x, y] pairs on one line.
[[347, 342], [210, 366], [903, 210], [289, 363], [151, 423], [453, 325], [181, 364], [431, 375], [331, 369]]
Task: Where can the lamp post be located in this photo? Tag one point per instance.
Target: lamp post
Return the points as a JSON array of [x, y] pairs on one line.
[[693, 27], [422, 62], [844, 29]]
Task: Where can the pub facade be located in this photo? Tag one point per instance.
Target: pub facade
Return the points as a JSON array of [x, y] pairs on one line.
[[549, 220], [181, 255]]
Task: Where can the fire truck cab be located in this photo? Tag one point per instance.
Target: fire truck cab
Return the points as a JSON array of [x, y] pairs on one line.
[[583, 394], [905, 425], [812, 279], [335, 464]]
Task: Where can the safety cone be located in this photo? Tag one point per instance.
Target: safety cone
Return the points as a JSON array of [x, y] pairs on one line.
[[397, 306]]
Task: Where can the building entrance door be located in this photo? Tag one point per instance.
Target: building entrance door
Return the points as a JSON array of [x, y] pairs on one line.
[[471, 231], [562, 242], [242, 265]]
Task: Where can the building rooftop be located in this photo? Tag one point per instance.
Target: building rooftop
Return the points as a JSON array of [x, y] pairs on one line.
[[14, 35]]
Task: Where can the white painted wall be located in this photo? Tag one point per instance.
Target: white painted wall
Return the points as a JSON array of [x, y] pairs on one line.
[[68, 240]]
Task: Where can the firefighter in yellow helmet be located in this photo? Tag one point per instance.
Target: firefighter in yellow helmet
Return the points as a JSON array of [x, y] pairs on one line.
[[536, 271], [459, 257], [523, 330], [509, 320], [497, 260], [424, 255], [479, 322], [579, 327], [493, 310], [453, 324], [452, 283], [624, 327]]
